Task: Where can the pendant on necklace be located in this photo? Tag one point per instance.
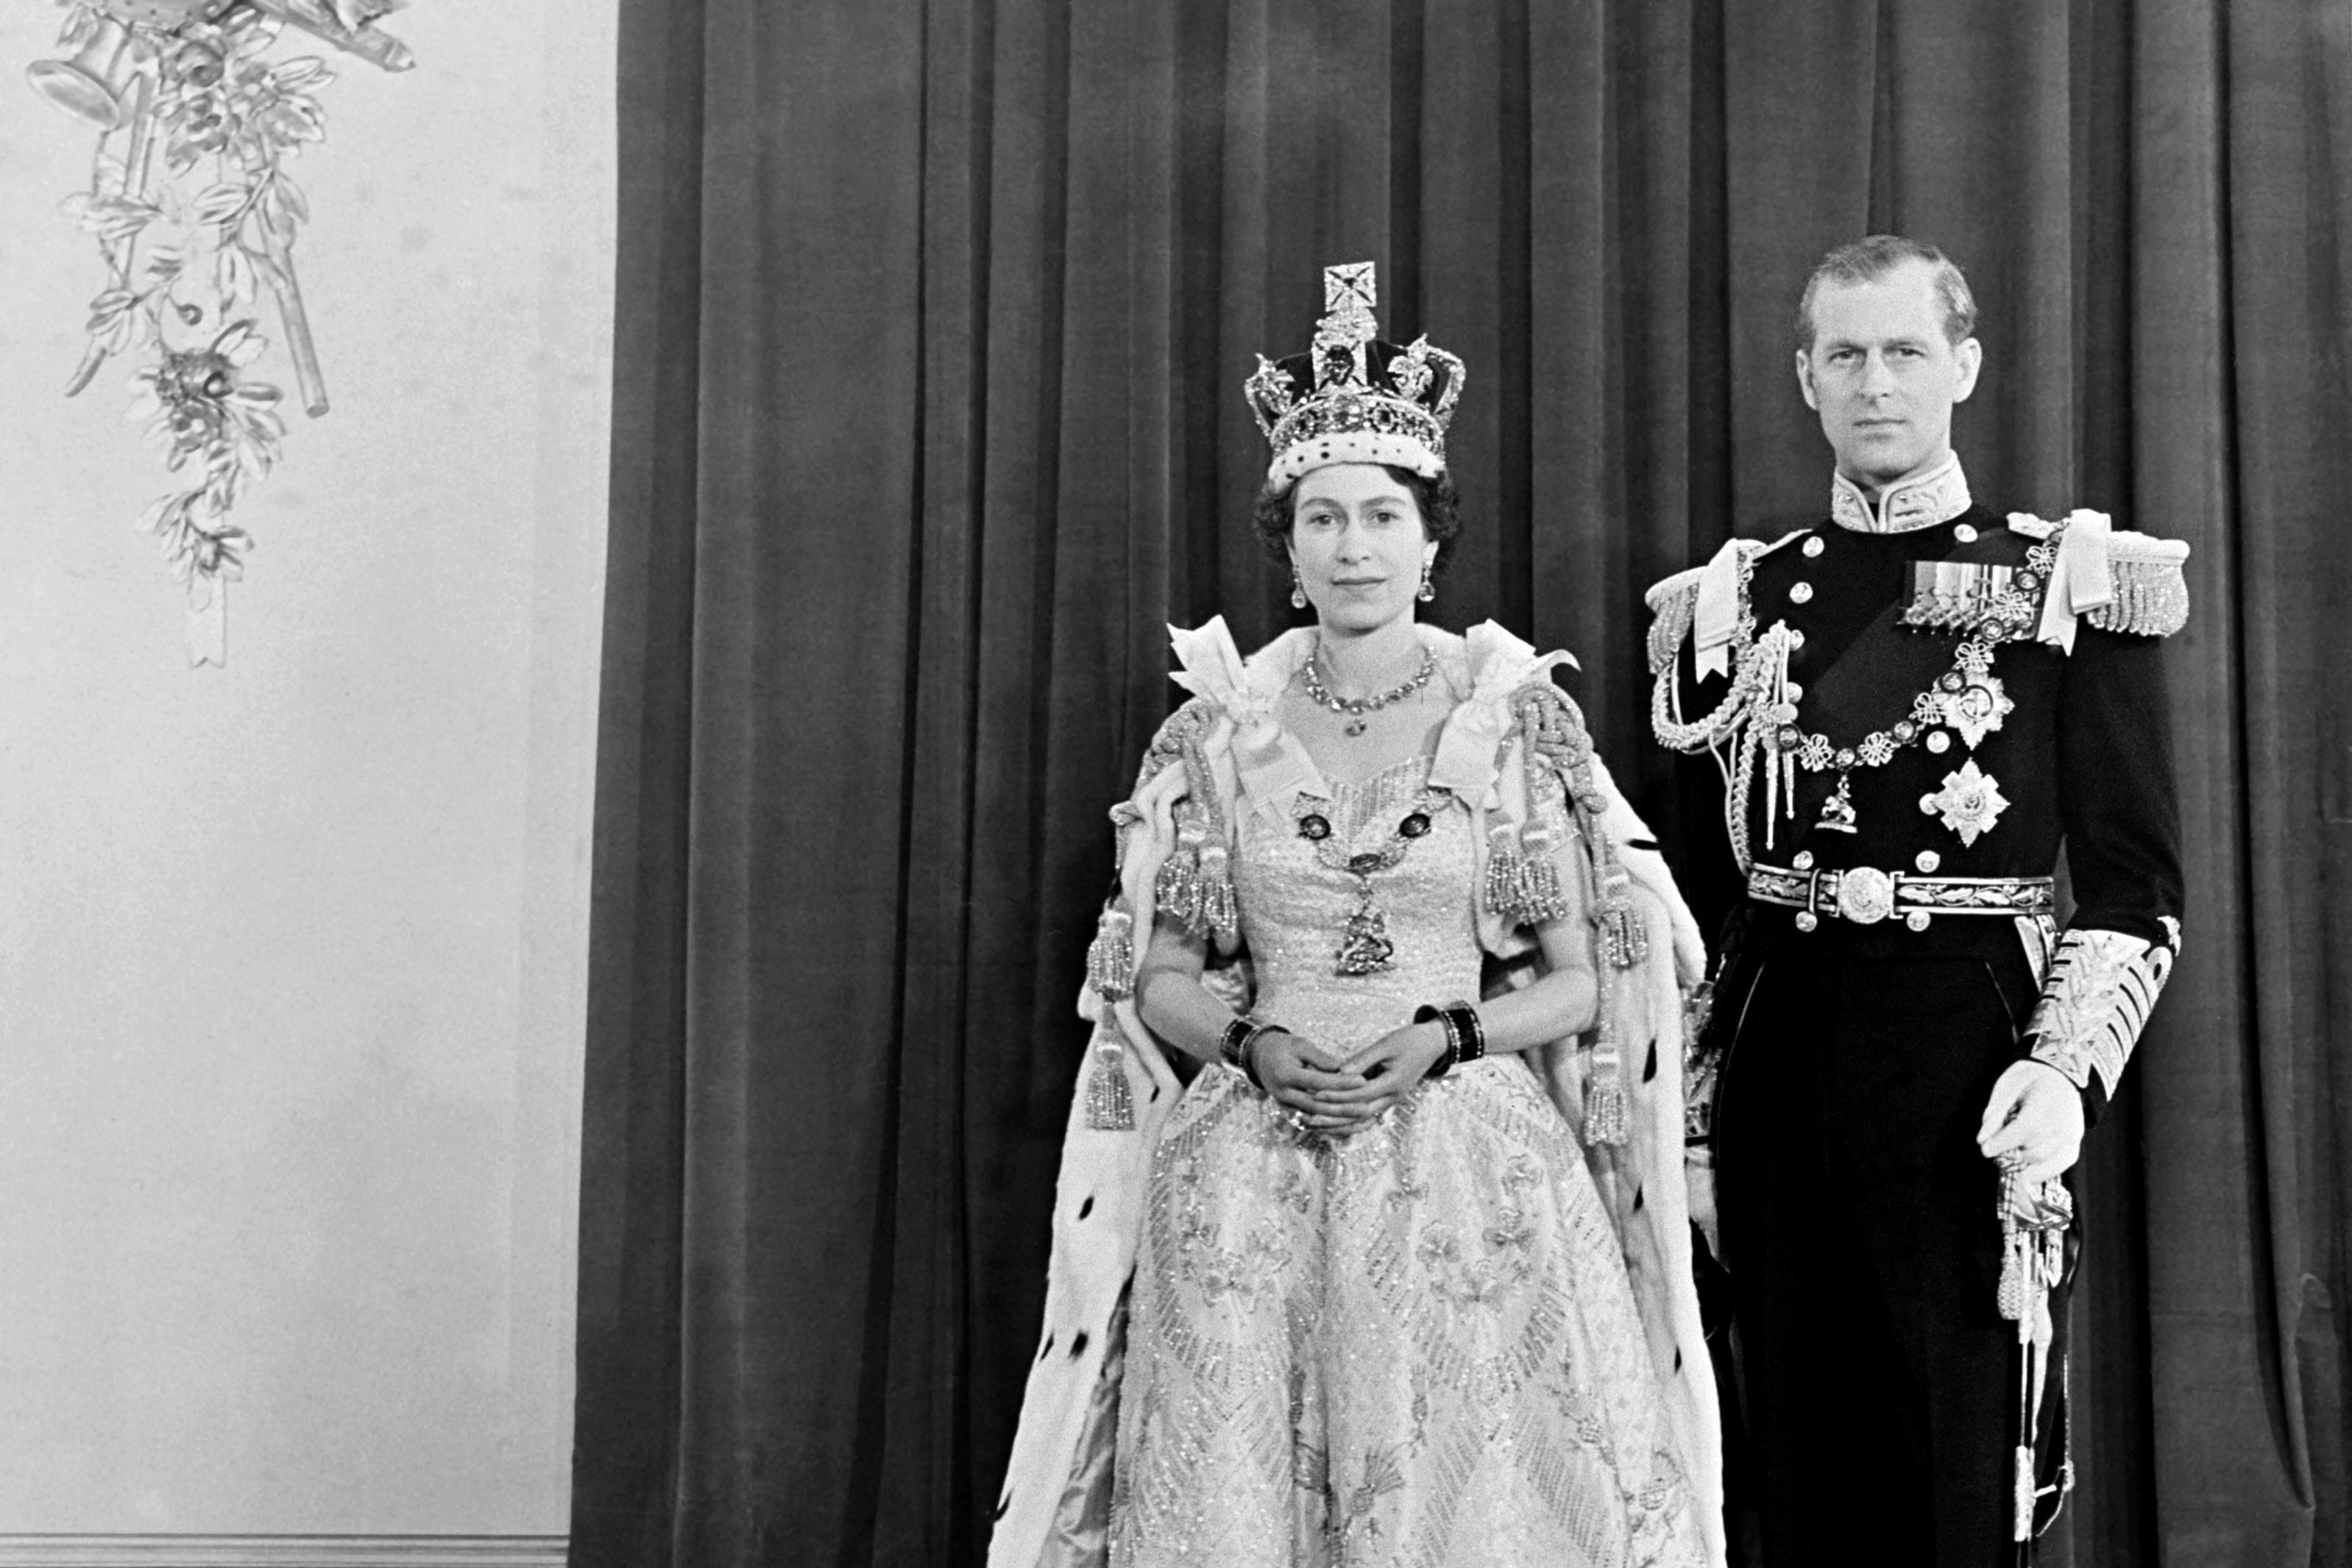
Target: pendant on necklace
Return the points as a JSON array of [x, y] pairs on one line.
[[1364, 947], [1353, 727]]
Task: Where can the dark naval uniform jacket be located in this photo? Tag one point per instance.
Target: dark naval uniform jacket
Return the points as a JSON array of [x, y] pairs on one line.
[[1916, 706]]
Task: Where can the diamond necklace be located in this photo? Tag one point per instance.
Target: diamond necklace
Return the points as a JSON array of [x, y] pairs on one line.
[[1355, 708]]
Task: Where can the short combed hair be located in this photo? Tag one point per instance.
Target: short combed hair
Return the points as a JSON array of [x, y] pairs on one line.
[[1868, 259], [1439, 504]]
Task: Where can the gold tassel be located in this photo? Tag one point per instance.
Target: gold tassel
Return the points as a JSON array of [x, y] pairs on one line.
[[1202, 880], [1625, 935], [1505, 879], [2010, 1294], [1110, 956], [1176, 890], [1605, 1111], [1110, 1102], [1541, 898], [1194, 886], [1219, 912], [1604, 1094], [1624, 940]]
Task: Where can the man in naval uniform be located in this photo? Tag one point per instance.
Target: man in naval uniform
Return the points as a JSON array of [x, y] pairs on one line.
[[1915, 702]]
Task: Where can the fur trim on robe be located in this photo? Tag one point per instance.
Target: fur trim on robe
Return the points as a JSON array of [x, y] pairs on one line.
[[1053, 1511]]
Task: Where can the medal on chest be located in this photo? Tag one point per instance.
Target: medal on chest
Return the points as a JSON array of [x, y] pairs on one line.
[[1987, 605]]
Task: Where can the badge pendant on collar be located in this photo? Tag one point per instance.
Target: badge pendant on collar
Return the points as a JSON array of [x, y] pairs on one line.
[[1837, 811], [1971, 701], [1364, 945]]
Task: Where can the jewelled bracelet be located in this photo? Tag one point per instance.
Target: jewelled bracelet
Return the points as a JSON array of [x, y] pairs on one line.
[[1470, 1035], [1235, 1043]]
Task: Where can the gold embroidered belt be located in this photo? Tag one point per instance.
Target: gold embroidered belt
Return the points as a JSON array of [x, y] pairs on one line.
[[1866, 895]]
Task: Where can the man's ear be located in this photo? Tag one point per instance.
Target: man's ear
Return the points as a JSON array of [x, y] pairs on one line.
[[1971, 355], [1805, 378]]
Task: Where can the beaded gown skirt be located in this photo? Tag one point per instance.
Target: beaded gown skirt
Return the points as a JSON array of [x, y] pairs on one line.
[[1413, 1345]]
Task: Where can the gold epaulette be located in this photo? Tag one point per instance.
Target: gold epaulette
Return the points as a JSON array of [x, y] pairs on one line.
[[1672, 603], [2151, 593]]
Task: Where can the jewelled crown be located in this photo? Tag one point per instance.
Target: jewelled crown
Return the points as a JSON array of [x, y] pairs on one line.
[[1352, 398]]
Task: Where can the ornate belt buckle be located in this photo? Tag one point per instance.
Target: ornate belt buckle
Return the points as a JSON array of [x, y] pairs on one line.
[[1866, 895]]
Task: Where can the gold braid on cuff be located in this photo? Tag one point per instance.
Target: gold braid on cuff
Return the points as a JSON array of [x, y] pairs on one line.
[[2101, 988]]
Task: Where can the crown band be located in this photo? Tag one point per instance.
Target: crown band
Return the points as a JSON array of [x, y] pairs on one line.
[[1358, 428]]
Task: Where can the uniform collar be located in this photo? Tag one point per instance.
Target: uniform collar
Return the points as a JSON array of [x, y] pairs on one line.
[[1935, 496]]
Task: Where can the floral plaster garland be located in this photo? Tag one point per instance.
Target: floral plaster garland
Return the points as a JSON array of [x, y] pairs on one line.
[[195, 216]]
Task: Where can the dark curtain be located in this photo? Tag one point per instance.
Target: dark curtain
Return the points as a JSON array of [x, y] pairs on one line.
[[932, 321]]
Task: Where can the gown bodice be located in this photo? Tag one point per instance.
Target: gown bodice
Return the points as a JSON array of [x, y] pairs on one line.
[[1297, 896]]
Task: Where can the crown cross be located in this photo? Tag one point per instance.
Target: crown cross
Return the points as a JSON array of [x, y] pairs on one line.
[[1350, 289], [1348, 296]]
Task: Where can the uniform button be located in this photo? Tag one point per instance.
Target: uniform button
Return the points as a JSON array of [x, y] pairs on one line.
[[1806, 920], [1928, 861], [1796, 637], [1800, 593], [1813, 546], [1804, 861], [1966, 533], [1938, 742], [1916, 920], [1794, 692]]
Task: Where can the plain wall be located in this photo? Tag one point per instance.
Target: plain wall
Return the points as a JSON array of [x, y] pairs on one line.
[[292, 953]]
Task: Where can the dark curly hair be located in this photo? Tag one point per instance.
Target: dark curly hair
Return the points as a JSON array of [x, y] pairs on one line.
[[1439, 504]]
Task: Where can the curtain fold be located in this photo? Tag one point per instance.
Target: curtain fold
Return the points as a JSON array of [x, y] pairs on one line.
[[932, 319]]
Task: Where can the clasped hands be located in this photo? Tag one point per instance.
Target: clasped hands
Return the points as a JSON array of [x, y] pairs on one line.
[[1335, 1095]]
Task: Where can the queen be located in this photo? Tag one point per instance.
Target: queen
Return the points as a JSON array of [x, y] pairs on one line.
[[1371, 1238]]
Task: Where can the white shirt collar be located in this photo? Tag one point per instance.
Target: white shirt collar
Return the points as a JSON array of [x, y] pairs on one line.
[[1935, 496]]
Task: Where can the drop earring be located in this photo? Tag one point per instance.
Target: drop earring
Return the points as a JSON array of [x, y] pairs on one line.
[[1298, 590], [1428, 589]]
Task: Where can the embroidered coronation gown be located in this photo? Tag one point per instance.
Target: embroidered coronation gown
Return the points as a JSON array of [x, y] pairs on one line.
[[1416, 1344]]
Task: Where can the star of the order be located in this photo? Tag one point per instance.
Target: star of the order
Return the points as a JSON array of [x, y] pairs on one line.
[[1970, 801]]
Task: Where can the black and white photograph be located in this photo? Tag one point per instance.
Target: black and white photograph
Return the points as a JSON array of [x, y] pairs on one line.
[[1176, 784]]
